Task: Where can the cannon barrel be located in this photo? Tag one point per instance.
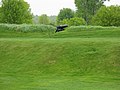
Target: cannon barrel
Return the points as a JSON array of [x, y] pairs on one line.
[[61, 28]]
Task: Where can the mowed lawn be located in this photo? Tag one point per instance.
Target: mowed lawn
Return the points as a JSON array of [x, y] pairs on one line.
[[73, 63]]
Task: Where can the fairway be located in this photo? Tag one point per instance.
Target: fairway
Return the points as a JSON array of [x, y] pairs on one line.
[[84, 60]]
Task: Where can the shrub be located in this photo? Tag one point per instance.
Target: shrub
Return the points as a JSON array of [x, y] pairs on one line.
[[76, 21], [107, 16], [27, 28]]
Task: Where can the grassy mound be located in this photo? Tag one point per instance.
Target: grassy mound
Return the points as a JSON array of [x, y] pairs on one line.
[[90, 28], [46, 31], [70, 60], [26, 30], [62, 57], [59, 64], [89, 32]]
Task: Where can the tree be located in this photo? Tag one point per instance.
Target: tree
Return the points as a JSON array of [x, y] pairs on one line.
[[107, 16], [88, 8], [43, 19], [65, 13], [15, 12]]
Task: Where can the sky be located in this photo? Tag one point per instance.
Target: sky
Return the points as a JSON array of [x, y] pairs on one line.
[[49, 7], [52, 7]]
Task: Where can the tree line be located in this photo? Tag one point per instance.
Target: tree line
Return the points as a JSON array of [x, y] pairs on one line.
[[89, 12]]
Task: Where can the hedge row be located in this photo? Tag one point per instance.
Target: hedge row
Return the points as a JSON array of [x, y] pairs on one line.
[[27, 28]]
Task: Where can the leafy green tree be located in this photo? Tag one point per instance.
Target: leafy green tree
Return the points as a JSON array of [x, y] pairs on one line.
[[76, 21], [43, 19], [15, 12], [88, 8], [65, 13], [107, 16]]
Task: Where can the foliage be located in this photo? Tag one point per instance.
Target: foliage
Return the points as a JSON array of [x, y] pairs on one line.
[[15, 12], [65, 13], [43, 19], [87, 8], [76, 21], [27, 28], [107, 16]]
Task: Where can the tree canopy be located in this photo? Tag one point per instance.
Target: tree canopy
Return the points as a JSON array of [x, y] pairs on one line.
[[87, 8], [15, 12], [107, 16], [65, 13]]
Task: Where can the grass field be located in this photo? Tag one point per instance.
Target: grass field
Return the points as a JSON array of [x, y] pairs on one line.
[[84, 60]]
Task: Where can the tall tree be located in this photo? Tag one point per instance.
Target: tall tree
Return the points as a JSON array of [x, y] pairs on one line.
[[88, 8], [43, 19], [65, 13], [15, 12]]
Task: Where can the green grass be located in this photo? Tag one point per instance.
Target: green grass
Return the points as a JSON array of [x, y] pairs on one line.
[[63, 62], [89, 32], [71, 32]]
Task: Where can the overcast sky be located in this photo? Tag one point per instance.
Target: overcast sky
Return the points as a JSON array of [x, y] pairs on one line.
[[52, 7]]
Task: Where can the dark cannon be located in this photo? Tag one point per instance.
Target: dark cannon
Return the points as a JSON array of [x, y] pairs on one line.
[[61, 28]]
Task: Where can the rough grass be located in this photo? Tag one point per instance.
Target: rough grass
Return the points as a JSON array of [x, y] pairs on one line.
[[69, 63]]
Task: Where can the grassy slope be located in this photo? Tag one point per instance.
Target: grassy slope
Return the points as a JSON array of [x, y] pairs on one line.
[[113, 33], [87, 33], [60, 63]]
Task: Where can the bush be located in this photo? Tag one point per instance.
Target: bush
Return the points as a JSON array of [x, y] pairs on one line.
[[107, 16], [74, 21], [27, 28]]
